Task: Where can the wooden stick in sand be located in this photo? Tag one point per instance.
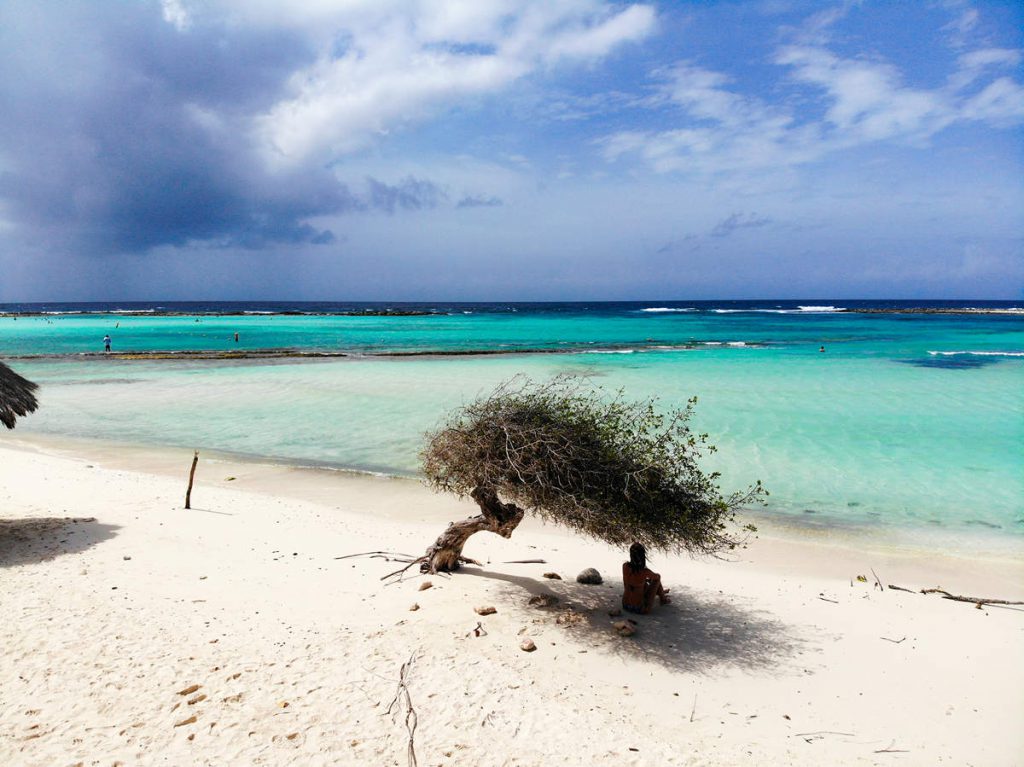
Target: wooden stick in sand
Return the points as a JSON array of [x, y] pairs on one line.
[[191, 477]]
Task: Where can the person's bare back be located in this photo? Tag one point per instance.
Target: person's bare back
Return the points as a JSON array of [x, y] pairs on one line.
[[641, 584]]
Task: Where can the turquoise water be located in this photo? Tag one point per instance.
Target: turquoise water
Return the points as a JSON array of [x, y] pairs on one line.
[[905, 420]]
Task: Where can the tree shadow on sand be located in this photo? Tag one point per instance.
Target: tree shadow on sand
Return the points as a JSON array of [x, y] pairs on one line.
[[695, 634], [31, 540]]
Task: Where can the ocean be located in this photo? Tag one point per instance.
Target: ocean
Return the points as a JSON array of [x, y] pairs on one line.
[[908, 419]]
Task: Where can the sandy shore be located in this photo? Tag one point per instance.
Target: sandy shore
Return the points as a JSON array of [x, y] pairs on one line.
[[115, 601]]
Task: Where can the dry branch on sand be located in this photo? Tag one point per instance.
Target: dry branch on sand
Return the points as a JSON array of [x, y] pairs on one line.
[[402, 704], [978, 602]]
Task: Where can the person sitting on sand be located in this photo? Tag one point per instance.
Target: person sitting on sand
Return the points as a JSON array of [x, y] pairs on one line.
[[641, 585]]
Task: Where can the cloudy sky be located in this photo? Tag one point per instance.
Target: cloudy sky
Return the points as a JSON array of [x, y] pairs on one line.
[[502, 150]]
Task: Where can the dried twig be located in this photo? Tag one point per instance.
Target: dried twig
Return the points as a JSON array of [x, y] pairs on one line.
[[894, 641], [402, 700], [402, 570], [900, 588], [810, 737], [373, 553], [478, 630], [826, 599], [877, 579], [526, 562], [694, 709]]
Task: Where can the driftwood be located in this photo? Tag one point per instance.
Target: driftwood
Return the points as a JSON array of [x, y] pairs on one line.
[[402, 700], [973, 600], [191, 477], [978, 602]]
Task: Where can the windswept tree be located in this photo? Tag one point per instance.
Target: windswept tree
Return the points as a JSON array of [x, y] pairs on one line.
[[16, 396], [613, 469]]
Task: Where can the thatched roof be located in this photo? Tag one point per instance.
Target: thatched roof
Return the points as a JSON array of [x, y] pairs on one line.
[[16, 398]]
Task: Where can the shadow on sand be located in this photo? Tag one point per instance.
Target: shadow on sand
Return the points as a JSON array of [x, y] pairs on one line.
[[694, 634], [37, 539]]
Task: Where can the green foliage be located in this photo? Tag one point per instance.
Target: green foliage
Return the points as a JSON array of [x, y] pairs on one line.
[[613, 469]]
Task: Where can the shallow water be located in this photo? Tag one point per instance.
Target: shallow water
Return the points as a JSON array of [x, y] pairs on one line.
[[905, 420]]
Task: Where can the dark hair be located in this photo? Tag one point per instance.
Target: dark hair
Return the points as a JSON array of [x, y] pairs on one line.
[[637, 557]]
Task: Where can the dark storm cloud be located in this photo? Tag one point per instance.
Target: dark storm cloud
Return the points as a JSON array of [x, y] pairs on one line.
[[479, 201], [121, 133], [409, 194], [730, 224]]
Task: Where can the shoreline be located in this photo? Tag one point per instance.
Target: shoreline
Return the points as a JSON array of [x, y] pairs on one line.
[[145, 355], [307, 481], [234, 633]]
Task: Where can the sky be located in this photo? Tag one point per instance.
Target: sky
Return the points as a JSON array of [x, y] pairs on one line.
[[510, 150]]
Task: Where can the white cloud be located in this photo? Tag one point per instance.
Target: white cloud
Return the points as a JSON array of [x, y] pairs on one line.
[[973, 65], [854, 101], [1001, 102], [595, 41], [960, 28], [726, 131], [867, 101], [175, 14], [400, 62]]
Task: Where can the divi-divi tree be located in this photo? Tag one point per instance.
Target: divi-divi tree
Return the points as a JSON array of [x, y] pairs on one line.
[[602, 465]]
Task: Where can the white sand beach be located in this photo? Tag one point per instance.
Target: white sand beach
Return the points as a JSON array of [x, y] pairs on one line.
[[135, 632]]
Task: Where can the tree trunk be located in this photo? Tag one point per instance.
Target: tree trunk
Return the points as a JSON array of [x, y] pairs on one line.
[[495, 516]]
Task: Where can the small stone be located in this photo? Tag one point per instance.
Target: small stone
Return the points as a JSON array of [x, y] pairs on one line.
[[488, 610], [283, 704], [553, 576], [200, 697], [189, 690], [293, 736], [126, 558], [414, 607], [527, 645], [183, 722], [543, 600], [614, 613], [426, 585], [590, 576], [624, 628]]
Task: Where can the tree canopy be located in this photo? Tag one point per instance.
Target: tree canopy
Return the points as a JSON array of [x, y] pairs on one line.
[[17, 396], [604, 466]]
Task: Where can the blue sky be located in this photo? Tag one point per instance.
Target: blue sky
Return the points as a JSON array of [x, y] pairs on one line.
[[488, 149]]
